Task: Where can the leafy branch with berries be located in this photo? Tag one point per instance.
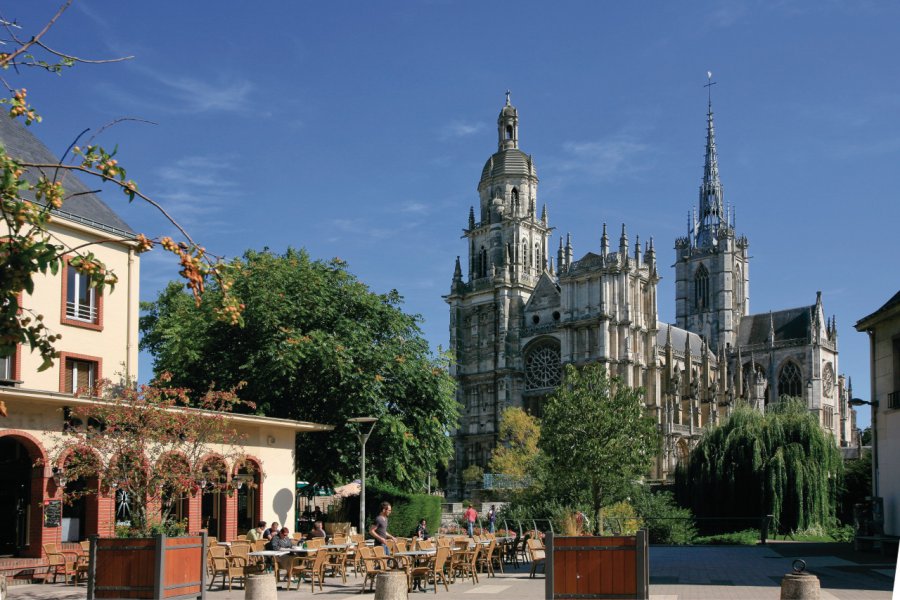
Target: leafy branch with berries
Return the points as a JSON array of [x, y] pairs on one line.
[[31, 193]]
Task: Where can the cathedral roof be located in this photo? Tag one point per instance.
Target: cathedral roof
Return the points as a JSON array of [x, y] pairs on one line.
[[510, 162], [83, 206], [678, 337], [789, 324]]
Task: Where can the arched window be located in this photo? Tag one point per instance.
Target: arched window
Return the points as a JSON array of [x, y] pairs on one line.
[[524, 258], [515, 201], [790, 381], [482, 266], [701, 288], [509, 132], [537, 257], [739, 290], [542, 366]]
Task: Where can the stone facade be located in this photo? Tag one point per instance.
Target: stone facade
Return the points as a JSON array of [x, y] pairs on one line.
[[517, 317]]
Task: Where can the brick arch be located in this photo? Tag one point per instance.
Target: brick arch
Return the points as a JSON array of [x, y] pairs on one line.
[[226, 525], [40, 492]]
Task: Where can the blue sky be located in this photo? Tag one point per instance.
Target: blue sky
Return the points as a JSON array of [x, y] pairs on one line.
[[359, 129]]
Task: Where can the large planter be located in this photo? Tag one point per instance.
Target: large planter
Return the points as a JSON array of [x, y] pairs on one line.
[[341, 527], [597, 566], [156, 568]]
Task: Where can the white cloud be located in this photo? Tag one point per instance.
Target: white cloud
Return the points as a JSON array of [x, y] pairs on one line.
[[193, 188], [459, 129], [607, 159]]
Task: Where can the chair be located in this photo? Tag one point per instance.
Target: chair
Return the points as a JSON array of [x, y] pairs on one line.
[[424, 545], [311, 566], [336, 561], [357, 538], [60, 562], [433, 571], [230, 567], [315, 543], [536, 554], [467, 563], [339, 539], [82, 562], [373, 565], [488, 557], [297, 536]]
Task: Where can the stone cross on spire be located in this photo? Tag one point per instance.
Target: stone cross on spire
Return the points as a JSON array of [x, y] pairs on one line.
[[507, 97]]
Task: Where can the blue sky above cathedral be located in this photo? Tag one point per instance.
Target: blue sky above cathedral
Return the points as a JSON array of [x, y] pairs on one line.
[[359, 130]]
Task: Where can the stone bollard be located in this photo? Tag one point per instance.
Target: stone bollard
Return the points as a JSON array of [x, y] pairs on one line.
[[799, 585], [260, 587], [391, 586], [2, 587]]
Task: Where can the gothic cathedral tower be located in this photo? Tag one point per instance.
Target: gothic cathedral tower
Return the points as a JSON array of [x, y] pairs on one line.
[[507, 256], [712, 290]]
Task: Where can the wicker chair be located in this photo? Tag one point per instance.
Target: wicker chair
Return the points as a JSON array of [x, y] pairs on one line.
[[433, 571], [537, 556], [308, 566], [374, 565], [60, 562]]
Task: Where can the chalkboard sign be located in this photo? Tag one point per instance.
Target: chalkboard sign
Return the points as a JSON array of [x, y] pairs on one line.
[[52, 513]]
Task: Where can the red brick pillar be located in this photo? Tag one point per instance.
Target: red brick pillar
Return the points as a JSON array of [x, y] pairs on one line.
[[194, 509], [229, 501], [43, 489], [106, 513]]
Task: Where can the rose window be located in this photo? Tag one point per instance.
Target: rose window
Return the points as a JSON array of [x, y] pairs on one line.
[[542, 368]]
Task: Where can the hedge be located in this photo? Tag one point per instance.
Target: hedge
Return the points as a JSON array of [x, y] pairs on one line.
[[408, 509]]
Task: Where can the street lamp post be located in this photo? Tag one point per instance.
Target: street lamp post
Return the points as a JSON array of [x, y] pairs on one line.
[[360, 422], [874, 405]]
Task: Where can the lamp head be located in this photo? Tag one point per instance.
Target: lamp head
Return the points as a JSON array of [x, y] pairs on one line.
[[362, 420]]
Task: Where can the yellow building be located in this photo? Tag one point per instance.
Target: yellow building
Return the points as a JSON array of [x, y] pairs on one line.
[[99, 340]]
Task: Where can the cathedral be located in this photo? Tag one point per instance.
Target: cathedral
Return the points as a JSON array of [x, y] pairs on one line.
[[517, 316]]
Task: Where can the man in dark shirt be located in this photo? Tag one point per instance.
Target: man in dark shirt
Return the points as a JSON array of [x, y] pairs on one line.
[[379, 529], [316, 531], [271, 532]]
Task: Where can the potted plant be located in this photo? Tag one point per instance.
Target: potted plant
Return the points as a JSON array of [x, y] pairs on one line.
[[150, 449]]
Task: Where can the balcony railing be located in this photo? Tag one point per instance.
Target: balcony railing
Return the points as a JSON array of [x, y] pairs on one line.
[[81, 312]]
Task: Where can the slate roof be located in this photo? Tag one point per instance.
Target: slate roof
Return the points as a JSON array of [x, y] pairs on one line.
[[678, 337], [508, 162], [870, 320], [790, 324], [86, 208]]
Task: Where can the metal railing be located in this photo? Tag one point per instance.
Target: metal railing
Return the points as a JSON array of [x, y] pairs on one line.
[[81, 312]]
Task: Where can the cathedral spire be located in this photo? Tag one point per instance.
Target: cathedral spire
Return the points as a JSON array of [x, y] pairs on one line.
[[457, 271], [604, 242], [712, 213]]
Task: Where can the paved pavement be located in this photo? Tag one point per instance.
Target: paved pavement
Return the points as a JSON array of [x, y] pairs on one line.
[[676, 573]]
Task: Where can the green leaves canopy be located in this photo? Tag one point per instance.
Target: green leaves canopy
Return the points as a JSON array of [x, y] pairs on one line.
[[595, 438], [316, 345]]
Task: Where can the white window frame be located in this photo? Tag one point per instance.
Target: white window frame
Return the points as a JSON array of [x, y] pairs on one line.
[[92, 372], [74, 309]]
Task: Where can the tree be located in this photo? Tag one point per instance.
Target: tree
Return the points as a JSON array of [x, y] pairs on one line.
[[595, 438], [780, 463], [147, 443], [517, 449], [316, 345], [31, 191]]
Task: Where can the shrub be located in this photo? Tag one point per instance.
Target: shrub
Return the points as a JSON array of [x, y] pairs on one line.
[[619, 519], [408, 508], [747, 537], [666, 522]]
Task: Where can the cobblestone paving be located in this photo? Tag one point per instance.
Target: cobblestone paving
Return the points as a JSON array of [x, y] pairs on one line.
[[676, 573]]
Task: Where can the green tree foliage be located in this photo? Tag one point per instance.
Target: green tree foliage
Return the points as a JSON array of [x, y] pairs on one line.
[[595, 439], [316, 345], [857, 484], [780, 463], [517, 450], [407, 509], [666, 522]]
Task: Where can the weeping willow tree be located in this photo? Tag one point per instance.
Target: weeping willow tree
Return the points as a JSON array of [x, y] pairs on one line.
[[780, 463]]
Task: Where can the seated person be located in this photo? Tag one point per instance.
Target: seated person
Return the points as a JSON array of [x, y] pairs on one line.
[[316, 531], [271, 532], [422, 530], [282, 541], [256, 533]]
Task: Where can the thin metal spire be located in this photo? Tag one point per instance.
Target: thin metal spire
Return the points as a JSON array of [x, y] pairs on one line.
[[711, 193]]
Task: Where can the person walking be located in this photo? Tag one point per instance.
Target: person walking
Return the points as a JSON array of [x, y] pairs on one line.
[[492, 518], [470, 516], [379, 529]]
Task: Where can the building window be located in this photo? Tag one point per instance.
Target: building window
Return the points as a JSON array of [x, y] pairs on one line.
[[701, 288], [828, 380], [79, 375], [828, 417], [6, 368], [790, 381], [81, 299], [542, 367]]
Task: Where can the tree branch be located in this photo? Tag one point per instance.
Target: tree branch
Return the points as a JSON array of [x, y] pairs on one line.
[[81, 60], [35, 39]]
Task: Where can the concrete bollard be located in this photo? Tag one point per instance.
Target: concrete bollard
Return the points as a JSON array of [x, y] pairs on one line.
[[391, 586], [799, 585], [260, 587], [2, 587]]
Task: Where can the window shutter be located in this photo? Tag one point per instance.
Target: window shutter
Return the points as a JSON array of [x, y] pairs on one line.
[[70, 370]]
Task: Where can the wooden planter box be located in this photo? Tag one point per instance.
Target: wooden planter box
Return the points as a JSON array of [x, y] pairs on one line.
[[597, 566], [157, 568]]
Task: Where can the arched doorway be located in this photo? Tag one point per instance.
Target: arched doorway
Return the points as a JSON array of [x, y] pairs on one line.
[[248, 496], [212, 502], [19, 479]]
